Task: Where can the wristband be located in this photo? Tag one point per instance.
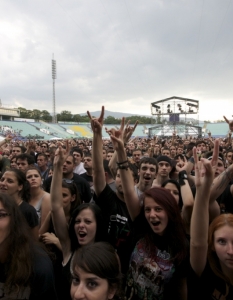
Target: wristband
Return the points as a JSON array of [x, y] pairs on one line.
[[123, 165], [182, 176]]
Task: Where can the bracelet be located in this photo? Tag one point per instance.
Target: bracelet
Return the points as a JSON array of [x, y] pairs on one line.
[[122, 166], [182, 176]]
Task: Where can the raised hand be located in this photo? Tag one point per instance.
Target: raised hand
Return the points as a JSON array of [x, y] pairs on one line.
[[128, 131], [8, 138], [60, 157], [97, 123], [230, 123], [182, 164], [49, 238], [117, 136], [204, 171]]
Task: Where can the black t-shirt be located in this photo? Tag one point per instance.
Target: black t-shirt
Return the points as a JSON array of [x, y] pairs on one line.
[[42, 282], [30, 214], [82, 185], [119, 223], [87, 177], [208, 286], [152, 273], [226, 201], [4, 164]]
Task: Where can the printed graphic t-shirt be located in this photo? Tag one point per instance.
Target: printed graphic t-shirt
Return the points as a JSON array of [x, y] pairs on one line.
[[149, 270]]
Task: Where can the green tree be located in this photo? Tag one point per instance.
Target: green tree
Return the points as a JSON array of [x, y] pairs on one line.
[[45, 116], [111, 120], [64, 116], [24, 113], [36, 113]]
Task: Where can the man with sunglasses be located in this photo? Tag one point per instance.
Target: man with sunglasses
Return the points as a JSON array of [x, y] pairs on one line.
[[43, 147]]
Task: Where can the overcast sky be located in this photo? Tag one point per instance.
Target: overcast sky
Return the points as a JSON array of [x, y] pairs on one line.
[[123, 54]]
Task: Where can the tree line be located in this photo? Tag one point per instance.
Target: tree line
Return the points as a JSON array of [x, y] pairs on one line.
[[67, 116]]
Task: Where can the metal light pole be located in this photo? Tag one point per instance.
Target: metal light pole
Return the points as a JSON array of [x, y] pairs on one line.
[[54, 76]]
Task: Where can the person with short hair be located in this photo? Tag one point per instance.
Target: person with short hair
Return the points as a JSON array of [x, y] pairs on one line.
[[24, 161], [104, 153], [229, 157], [78, 156], [147, 172], [201, 146], [110, 153], [166, 151], [42, 162], [67, 173], [88, 175], [164, 169], [136, 156], [16, 150]]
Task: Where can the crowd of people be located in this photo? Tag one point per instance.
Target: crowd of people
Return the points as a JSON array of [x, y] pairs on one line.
[[121, 218]]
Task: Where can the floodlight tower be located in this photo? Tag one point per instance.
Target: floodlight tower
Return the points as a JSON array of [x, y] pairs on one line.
[[54, 76]]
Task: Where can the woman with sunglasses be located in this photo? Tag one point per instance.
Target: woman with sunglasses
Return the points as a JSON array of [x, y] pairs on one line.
[[26, 271]]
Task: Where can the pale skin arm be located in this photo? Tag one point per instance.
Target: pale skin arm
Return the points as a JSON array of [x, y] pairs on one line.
[[45, 225], [173, 141], [130, 196], [230, 123], [112, 164], [209, 138], [45, 207], [97, 153], [229, 139], [58, 214], [49, 238], [127, 133], [200, 216], [187, 198]]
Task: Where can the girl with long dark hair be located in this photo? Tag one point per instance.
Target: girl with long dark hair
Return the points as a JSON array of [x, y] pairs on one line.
[[26, 271], [14, 183], [95, 271]]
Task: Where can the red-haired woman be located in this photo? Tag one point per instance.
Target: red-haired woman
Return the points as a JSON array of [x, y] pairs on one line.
[[158, 262], [211, 247]]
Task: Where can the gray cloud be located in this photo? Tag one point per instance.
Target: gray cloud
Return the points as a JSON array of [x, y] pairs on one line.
[[123, 54]]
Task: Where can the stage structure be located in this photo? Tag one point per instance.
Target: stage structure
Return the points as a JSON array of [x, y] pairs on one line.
[[175, 114]]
